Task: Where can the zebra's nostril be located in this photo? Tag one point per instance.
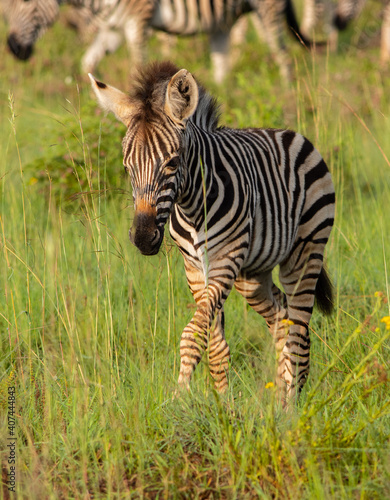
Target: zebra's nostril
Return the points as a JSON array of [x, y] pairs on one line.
[[156, 236]]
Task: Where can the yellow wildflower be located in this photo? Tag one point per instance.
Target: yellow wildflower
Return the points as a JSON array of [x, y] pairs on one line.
[[386, 320]]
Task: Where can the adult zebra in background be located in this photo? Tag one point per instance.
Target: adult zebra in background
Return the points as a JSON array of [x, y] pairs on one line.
[[112, 18], [29, 20], [336, 17], [329, 16], [240, 202], [349, 10]]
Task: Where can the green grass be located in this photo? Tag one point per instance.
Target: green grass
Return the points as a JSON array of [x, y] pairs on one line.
[[90, 329]]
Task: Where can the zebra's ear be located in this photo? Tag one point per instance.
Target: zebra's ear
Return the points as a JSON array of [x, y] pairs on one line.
[[181, 98], [112, 99]]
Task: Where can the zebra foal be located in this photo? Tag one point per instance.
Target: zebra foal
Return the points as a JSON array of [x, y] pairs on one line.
[[240, 202]]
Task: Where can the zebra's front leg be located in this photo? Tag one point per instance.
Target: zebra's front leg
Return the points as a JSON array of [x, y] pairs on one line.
[[105, 41], [204, 331], [136, 37], [193, 343], [195, 340], [271, 15], [219, 54]]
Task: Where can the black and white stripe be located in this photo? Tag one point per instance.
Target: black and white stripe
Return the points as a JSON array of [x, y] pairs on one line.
[[240, 202], [114, 19]]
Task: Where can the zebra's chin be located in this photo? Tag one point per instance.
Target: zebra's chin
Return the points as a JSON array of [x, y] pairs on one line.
[[147, 243], [150, 251]]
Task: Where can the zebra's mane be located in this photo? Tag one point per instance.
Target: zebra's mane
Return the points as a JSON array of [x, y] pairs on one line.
[[148, 94]]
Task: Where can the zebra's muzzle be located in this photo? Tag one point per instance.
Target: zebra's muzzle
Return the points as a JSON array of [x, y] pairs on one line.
[[145, 234], [22, 52]]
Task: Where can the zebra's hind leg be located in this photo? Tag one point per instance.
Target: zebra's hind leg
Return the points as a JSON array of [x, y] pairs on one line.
[[267, 300], [300, 286], [219, 354]]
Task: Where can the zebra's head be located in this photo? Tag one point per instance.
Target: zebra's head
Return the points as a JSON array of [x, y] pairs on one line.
[[28, 20], [155, 114]]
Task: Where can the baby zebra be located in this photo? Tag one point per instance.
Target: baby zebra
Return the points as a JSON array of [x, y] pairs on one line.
[[240, 202]]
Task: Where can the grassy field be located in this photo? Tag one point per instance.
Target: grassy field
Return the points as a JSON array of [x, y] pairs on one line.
[[90, 329]]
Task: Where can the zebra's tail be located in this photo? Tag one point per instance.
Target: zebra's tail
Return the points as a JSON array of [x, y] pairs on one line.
[[292, 22], [324, 293]]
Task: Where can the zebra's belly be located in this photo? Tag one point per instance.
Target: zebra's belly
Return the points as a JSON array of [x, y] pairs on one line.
[[271, 242], [257, 243]]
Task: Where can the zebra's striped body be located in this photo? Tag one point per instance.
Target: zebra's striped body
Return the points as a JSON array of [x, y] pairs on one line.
[[240, 203], [113, 18]]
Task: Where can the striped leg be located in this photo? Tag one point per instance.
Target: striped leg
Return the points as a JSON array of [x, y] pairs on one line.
[[105, 41], [219, 54], [385, 36], [299, 276], [294, 359], [219, 354], [135, 34], [202, 332], [271, 16], [266, 299]]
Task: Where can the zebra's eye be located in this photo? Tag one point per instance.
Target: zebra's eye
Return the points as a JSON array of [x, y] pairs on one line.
[[172, 165]]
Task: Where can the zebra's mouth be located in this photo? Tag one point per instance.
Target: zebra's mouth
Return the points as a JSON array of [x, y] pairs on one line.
[[22, 52], [147, 240]]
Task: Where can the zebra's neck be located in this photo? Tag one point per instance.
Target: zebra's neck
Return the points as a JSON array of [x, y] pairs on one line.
[[207, 113], [198, 179]]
